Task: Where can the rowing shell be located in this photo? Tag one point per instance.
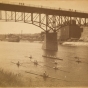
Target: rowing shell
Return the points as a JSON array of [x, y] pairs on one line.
[[52, 57], [45, 76], [50, 77]]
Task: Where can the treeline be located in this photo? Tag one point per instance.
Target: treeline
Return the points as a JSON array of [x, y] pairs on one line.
[[29, 37]]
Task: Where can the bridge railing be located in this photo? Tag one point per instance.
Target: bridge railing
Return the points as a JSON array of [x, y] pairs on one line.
[[46, 7]]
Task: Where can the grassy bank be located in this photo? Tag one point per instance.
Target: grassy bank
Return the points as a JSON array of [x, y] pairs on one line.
[[8, 79]]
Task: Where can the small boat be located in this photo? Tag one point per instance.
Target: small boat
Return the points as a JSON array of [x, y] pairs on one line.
[[35, 62], [45, 76], [29, 56], [51, 57], [18, 64], [79, 61]]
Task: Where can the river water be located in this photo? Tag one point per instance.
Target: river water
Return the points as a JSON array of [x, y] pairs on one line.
[[76, 73]]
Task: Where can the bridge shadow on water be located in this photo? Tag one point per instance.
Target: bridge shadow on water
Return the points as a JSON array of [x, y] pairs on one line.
[[49, 52]]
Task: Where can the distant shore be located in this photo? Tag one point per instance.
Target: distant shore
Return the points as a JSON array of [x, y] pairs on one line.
[[62, 43], [75, 43]]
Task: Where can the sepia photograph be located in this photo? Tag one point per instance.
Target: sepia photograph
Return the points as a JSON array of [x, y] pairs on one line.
[[43, 43]]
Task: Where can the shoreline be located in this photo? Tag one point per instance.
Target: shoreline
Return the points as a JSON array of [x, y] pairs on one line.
[[60, 43], [75, 43], [9, 79]]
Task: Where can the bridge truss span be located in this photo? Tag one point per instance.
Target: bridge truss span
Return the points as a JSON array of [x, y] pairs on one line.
[[50, 20], [43, 18]]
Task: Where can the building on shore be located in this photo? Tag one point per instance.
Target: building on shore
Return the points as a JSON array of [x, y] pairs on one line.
[[71, 31], [84, 35]]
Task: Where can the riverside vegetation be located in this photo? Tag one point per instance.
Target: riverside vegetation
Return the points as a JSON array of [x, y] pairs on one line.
[[9, 79]]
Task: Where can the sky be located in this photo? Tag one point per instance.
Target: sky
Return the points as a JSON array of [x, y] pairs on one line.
[[16, 27]]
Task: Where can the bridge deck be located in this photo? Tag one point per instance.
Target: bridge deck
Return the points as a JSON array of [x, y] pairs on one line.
[[30, 9]]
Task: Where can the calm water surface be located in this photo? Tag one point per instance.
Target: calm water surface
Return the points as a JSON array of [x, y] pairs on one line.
[[14, 52]]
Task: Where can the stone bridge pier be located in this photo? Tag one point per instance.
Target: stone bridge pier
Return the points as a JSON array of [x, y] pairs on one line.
[[50, 41]]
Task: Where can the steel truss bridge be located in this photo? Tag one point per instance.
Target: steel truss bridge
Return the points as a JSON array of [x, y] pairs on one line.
[[46, 18]]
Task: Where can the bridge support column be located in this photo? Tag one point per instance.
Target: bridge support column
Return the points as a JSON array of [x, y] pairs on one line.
[[50, 41]]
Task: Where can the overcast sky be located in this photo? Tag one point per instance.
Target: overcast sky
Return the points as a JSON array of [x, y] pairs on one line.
[[15, 27]]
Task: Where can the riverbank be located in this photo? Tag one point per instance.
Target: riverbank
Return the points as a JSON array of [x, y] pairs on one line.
[[8, 79], [75, 43]]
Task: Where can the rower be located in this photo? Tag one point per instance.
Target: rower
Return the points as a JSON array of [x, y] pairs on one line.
[[30, 57], [36, 62], [18, 64], [56, 68], [45, 75], [55, 62], [78, 61]]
